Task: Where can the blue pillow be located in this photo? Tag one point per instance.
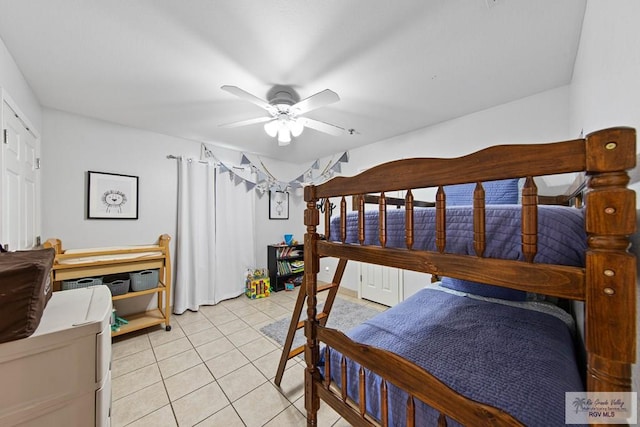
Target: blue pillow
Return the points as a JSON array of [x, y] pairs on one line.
[[501, 192], [484, 290]]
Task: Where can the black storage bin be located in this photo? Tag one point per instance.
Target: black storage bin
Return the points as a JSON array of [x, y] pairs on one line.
[[118, 283]]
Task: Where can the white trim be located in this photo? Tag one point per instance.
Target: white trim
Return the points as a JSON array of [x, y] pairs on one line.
[[5, 97]]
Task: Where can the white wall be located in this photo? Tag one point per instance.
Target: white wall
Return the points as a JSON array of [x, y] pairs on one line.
[[539, 118], [12, 80], [605, 87], [272, 231], [73, 145]]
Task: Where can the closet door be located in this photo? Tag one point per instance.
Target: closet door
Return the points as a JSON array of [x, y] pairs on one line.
[[383, 285], [19, 179]]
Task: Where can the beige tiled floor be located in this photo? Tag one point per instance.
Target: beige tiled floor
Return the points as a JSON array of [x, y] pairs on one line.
[[214, 368]]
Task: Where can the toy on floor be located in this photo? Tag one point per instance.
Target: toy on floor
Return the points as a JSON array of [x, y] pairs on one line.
[[117, 323], [257, 284]]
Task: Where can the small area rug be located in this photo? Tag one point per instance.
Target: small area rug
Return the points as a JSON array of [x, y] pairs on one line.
[[344, 315]]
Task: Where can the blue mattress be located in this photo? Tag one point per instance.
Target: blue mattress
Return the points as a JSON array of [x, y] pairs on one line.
[[561, 235], [504, 354]]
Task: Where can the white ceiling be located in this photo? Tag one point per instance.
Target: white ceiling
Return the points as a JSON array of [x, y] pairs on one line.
[[397, 65]]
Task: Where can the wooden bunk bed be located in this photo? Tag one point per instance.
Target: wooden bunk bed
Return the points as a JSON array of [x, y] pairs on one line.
[[94, 262], [340, 368]]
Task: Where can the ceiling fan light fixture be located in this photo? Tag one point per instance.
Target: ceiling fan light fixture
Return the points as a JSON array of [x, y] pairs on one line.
[[285, 108], [282, 108], [271, 128], [284, 136], [295, 127]]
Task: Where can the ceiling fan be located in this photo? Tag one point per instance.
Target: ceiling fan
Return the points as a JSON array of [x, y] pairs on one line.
[[285, 110]]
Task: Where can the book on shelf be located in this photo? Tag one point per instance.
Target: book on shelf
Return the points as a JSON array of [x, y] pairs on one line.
[[297, 266], [290, 267], [288, 252]]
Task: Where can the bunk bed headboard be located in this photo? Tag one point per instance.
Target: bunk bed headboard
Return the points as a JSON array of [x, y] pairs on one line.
[[607, 282]]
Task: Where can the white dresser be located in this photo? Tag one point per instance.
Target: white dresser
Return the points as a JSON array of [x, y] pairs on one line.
[[61, 375]]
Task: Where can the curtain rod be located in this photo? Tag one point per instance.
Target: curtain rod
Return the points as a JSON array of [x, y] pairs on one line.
[[171, 156], [216, 163]]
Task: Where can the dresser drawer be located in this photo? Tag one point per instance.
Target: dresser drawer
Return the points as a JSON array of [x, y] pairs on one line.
[[103, 353]]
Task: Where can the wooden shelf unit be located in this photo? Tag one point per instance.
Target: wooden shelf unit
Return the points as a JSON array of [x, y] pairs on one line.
[[94, 266], [276, 277]]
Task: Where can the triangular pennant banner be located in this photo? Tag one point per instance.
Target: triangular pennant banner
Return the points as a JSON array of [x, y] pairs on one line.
[[344, 158], [265, 181]]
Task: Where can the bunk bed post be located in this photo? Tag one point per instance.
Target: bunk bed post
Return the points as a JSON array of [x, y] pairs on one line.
[[311, 269], [610, 317]]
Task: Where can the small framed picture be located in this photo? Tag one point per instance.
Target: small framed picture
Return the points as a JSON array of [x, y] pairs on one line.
[[112, 196], [278, 205]]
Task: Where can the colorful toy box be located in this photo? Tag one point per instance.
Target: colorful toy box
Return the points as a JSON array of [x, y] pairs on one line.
[[257, 284]]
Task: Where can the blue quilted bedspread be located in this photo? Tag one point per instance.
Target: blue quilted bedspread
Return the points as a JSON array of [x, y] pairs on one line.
[[510, 357], [561, 235]]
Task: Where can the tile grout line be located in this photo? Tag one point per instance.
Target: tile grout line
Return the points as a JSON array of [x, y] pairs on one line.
[[253, 362]]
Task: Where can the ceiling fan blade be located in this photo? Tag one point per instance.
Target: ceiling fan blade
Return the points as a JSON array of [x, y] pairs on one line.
[[318, 100], [322, 126], [247, 97], [246, 122]]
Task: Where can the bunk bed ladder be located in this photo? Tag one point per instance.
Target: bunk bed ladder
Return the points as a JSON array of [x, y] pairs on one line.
[[296, 323]]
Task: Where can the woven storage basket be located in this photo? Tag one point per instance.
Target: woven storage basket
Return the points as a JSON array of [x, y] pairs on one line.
[[81, 283], [143, 280], [118, 287], [118, 283]]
